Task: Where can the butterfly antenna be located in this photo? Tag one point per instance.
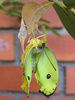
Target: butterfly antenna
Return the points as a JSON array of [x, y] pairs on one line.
[[33, 33], [50, 61], [29, 39], [40, 35], [40, 31]]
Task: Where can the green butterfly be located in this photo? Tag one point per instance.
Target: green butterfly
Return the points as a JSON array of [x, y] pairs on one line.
[[42, 62]]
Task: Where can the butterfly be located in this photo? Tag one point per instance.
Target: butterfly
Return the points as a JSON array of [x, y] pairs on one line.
[[40, 60]]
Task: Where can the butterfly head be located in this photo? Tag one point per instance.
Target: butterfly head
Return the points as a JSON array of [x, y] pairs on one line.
[[41, 45], [38, 45]]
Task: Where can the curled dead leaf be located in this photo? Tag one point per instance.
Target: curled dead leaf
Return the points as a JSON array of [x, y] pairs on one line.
[[31, 14]]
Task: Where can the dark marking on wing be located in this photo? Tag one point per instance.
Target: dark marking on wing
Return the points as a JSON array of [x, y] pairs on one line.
[[28, 77], [50, 61], [40, 91], [49, 92], [48, 76]]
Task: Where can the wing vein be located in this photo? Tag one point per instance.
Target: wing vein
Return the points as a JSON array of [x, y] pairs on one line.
[[50, 61]]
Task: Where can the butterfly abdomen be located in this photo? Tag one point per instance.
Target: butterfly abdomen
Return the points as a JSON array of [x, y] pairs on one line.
[[33, 62]]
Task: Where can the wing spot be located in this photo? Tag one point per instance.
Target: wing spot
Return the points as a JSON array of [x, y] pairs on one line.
[[28, 77], [48, 76]]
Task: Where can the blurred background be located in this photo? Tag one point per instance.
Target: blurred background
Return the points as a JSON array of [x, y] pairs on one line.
[[10, 55]]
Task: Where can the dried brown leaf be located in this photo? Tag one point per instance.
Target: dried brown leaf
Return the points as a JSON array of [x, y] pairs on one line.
[[31, 14]]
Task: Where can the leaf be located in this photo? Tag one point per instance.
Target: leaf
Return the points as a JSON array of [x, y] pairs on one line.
[[44, 32], [19, 7], [17, 3], [6, 3], [15, 0], [32, 12], [67, 18], [1, 1], [1, 7], [15, 14], [43, 20], [69, 3], [51, 29], [12, 11], [12, 2]]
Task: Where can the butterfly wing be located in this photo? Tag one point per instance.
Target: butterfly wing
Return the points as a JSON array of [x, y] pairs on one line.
[[28, 70], [47, 71], [30, 67], [26, 65]]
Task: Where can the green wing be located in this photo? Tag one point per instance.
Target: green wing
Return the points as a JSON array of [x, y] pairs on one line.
[[28, 70], [47, 71], [30, 67], [27, 63]]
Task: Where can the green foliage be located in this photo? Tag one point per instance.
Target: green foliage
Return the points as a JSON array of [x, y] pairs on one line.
[[67, 18], [15, 10], [64, 11], [51, 29], [66, 14], [69, 3], [46, 21], [14, 7], [1, 1]]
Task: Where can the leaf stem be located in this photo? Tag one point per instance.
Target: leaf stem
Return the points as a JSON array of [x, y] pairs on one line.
[[59, 3]]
